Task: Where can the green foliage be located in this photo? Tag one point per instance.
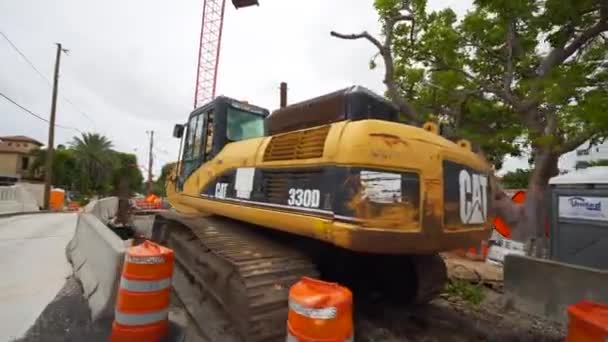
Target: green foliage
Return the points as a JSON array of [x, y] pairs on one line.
[[158, 188], [585, 164], [126, 168], [65, 170], [89, 166], [601, 162], [517, 179], [476, 73], [465, 291]]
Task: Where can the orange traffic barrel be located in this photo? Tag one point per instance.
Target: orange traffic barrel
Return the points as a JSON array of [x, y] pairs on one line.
[[587, 321], [319, 311], [143, 296], [56, 199]]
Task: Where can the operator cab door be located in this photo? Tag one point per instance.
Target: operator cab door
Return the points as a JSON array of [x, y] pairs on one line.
[[197, 145]]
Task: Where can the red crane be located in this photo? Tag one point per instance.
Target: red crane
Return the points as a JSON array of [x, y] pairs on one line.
[[209, 48]]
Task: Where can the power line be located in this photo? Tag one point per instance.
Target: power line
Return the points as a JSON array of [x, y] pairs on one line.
[[24, 57], [29, 62], [34, 114]]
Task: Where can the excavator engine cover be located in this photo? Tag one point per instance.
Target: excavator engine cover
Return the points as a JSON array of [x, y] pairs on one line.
[[244, 3], [352, 103]]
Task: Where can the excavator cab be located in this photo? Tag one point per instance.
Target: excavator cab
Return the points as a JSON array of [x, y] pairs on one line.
[[211, 127]]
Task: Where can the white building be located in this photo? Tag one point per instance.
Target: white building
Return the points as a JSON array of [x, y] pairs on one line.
[[585, 155]]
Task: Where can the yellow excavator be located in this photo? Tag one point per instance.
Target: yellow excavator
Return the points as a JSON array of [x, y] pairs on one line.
[[336, 187]]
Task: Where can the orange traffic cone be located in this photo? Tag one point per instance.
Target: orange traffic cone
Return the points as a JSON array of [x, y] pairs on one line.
[[143, 297], [319, 311]]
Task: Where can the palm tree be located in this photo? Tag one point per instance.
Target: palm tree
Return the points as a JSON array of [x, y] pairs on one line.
[[93, 152]]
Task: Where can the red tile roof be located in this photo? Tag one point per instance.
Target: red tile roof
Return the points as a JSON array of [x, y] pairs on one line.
[[21, 138]]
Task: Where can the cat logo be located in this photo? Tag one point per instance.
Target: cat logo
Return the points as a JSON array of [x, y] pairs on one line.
[[473, 197]]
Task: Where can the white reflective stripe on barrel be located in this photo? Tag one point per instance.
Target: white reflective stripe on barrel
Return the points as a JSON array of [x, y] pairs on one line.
[[140, 319], [146, 260], [329, 312], [144, 285], [291, 338]]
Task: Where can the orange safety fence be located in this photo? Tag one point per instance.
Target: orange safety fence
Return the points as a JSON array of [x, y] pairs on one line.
[[73, 206], [480, 253], [319, 311], [587, 321], [499, 224], [144, 293], [148, 203]]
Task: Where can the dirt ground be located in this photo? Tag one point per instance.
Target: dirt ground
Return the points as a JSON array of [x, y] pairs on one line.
[[448, 318], [452, 320]]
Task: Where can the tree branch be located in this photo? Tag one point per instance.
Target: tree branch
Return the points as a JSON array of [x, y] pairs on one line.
[[362, 35], [559, 54], [508, 76], [577, 141], [385, 51]]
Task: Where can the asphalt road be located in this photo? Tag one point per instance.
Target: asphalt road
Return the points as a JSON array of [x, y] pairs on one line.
[[34, 267]]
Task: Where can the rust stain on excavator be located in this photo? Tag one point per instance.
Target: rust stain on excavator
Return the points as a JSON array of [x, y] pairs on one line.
[[398, 215], [433, 208], [389, 139]]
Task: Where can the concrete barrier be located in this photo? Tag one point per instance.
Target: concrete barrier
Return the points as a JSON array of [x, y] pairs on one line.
[[104, 209], [546, 288], [97, 256], [142, 224], [37, 190], [16, 199]]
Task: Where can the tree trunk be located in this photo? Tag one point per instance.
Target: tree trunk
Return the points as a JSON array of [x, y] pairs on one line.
[[122, 215], [531, 228]]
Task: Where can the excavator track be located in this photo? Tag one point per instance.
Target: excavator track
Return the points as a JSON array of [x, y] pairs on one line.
[[233, 282]]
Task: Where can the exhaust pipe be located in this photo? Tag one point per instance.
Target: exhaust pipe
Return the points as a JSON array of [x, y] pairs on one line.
[[283, 102]]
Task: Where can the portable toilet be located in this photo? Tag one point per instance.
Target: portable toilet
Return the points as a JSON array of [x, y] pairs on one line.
[[579, 217], [56, 199]]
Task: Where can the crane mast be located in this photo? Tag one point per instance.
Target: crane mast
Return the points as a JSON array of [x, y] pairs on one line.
[[209, 50], [210, 43]]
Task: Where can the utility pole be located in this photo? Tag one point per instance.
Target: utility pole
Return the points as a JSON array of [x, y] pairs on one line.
[[48, 174], [150, 162]]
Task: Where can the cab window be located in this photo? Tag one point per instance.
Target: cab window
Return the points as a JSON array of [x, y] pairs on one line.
[[244, 125]]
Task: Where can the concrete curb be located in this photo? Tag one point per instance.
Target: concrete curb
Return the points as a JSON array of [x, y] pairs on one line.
[[2, 215], [97, 255], [546, 288]]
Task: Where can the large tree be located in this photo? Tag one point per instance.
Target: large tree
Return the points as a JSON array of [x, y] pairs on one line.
[[512, 76]]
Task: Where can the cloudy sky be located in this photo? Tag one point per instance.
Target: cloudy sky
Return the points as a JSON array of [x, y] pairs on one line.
[[131, 67]]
